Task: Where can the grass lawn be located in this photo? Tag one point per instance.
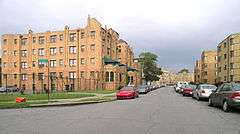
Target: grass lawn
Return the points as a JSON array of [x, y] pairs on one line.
[[8, 100], [64, 95]]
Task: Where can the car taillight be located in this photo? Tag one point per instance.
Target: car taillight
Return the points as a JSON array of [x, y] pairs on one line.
[[203, 91], [235, 95]]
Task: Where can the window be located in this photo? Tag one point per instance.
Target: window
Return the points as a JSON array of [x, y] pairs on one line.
[[15, 52], [231, 54], [24, 64], [23, 41], [107, 77], [34, 39], [231, 65], [4, 64], [225, 56], [231, 41], [82, 74], [41, 40], [72, 75], [72, 37], [4, 41], [219, 58], [219, 48], [92, 74], [111, 77], [24, 77], [82, 35], [72, 62], [53, 51], [92, 61], [82, 61], [72, 49], [92, 47], [53, 63], [34, 51], [61, 49], [53, 38], [92, 33], [231, 77], [61, 37], [33, 63], [15, 41], [108, 51], [219, 69], [40, 76], [61, 74], [53, 75], [4, 52], [14, 64], [24, 53], [15, 76], [225, 44], [61, 62], [41, 52], [225, 67], [82, 48]]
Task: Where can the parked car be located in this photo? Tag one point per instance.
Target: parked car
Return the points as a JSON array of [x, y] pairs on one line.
[[203, 91], [3, 89], [227, 96], [128, 92], [179, 85], [188, 89], [143, 89]]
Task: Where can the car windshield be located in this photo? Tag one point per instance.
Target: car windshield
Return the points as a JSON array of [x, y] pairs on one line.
[[209, 87], [191, 86], [236, 87]]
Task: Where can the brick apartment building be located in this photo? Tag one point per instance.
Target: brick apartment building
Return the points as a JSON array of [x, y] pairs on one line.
[[84, 58], [228, 52]]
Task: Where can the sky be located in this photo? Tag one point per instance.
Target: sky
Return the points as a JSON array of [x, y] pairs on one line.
[[175, 30]]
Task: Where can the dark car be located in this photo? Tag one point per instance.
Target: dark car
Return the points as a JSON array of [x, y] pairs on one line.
[[142, 89], [227, 96]]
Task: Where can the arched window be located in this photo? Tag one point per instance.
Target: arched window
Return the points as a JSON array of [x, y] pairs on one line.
[[107, 77], [111, 77]]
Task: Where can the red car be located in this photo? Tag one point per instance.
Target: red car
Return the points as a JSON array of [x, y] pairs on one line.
[[188, 89], [127, 93]]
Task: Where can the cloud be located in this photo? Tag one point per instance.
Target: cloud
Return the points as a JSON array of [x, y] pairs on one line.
[[177, 31]]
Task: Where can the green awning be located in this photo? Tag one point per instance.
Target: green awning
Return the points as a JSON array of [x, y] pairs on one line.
[[108, 60], [131, 69], [42, 60]]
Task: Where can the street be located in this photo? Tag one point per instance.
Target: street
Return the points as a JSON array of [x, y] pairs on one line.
[[159, 112]]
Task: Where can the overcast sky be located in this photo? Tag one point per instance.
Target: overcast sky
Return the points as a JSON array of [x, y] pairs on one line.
[[176, 30]]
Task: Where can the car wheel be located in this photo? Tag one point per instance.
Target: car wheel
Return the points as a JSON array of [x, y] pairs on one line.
[[198, 98], [225, 107], [210, 102]]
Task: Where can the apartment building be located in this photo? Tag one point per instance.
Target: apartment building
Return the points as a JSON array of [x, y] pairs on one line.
[[209, 67], [79, 59], [228, 52], [197, 71]]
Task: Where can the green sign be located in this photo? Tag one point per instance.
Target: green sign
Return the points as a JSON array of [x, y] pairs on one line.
[[42, 60]]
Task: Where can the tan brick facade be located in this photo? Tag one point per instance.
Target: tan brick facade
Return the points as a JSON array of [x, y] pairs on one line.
[[197, 72], [229, 59], [209, 67], [73, 58]]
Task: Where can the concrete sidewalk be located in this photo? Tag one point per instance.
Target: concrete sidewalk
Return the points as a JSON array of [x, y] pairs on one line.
[[98, 98]]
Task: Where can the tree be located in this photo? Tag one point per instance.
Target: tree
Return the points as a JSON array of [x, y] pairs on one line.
[[150, 69], [184, 70]]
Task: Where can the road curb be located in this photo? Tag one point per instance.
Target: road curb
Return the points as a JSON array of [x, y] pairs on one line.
[[70, 103]]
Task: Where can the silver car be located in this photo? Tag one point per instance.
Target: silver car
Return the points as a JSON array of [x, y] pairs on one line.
[[203, 91]]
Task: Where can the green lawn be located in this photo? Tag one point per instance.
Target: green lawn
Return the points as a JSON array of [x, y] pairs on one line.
[[8, 100]]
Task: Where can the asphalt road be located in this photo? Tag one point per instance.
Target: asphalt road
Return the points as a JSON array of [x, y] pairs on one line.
[[159, 112]]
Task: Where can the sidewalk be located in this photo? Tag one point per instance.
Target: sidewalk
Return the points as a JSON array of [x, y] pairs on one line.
[[99, 98]]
